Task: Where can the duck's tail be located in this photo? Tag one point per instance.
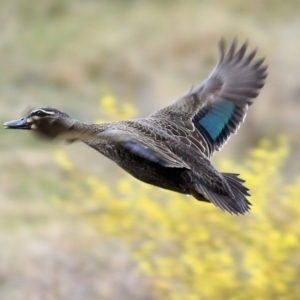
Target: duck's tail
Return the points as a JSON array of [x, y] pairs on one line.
[[233, 201]]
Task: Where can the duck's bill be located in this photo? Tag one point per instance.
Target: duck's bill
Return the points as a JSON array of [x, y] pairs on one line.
[[17, 124]]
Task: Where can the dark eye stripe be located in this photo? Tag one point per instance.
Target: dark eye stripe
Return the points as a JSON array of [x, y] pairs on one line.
[[41, 113]]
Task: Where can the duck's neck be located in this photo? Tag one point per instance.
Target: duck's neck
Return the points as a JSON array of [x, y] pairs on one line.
[[74, 130]]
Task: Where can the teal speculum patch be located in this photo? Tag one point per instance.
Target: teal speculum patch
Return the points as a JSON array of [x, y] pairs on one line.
[[215, 118]]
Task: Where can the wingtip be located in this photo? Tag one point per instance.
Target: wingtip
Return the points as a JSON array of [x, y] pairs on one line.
[[232, 48], [222, 47]]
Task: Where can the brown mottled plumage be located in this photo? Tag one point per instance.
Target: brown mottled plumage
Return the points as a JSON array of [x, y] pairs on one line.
[[172, 147]]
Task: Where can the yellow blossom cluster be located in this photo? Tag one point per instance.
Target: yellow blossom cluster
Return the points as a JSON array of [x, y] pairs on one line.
[[191, 250], [115, 111]]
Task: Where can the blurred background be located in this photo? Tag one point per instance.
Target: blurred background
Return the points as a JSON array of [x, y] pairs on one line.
[[75, 226]]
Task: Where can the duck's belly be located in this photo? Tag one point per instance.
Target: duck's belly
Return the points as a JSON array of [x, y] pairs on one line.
[[152, 173], [144, 170]]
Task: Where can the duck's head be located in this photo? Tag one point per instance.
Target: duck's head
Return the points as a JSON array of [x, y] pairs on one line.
[[44, 120]]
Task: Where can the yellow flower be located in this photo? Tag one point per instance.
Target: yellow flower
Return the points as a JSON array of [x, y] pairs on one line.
[[190, 250]]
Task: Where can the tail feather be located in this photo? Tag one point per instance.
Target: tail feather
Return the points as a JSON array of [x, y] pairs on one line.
[[236, 182], [239, 190], [233, 201]]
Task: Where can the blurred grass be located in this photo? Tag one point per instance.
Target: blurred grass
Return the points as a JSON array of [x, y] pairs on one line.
[[68, 54]]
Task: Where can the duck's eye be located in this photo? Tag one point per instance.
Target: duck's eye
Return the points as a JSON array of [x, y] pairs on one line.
[[40, 113]]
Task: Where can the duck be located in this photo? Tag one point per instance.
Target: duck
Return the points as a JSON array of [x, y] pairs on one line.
[[172, 148]]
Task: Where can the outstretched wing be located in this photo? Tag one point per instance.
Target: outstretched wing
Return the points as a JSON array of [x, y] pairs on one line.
[[215, 109]]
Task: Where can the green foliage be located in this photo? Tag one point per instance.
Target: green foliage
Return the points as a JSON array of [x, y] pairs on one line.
[[191, 250]]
